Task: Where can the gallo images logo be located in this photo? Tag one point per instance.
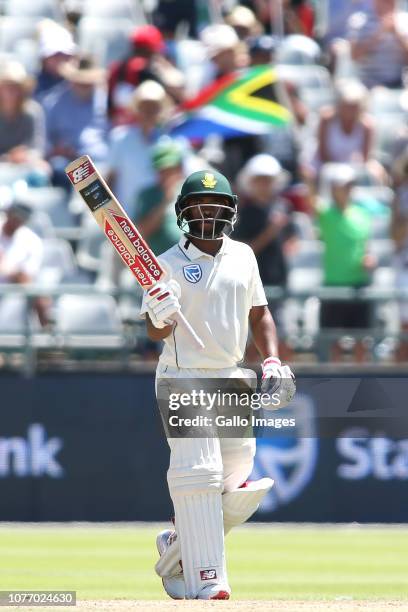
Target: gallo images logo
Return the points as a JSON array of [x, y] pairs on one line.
[[35, 455]]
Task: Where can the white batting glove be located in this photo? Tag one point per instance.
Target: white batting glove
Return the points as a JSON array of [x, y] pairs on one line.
[[277, 381], [162, 301]]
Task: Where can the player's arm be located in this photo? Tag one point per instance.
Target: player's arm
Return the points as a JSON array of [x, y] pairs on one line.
[[156, 333], [263, 331], [277, 379]]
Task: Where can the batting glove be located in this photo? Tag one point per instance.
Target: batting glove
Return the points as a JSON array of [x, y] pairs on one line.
[[162, 301], [278, 382]]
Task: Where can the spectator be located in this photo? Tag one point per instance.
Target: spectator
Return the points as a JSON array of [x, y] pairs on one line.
[[56, 47], [399, 232], [298, 17], [346, 132], [171, 15], [264, 222], [294, 17], [262, 49], [155, 207], [22, 130], [227, 54], [21, 252], [76, 117], [379, 43], [224, 50], [244, 22], [145, 61], [130, 165], [345, 232]]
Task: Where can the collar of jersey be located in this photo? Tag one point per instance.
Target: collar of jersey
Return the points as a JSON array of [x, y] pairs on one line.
[[193, 252]]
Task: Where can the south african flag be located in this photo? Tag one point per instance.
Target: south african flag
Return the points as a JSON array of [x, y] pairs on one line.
[[242, 103]]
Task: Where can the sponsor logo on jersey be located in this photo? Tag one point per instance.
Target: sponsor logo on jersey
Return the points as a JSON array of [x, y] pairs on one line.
[[209, 181], [209, 574], [192, 273]]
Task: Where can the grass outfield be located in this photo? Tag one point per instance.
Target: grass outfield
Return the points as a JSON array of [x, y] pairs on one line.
[[265, 562]]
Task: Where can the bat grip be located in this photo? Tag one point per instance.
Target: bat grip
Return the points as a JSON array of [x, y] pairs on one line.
[[182, 321]]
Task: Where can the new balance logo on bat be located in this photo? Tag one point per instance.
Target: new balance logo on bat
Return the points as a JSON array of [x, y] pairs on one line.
[[209, 574], [81, 173]]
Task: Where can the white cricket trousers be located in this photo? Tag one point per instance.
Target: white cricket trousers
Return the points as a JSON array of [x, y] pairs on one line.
[[200, 471]]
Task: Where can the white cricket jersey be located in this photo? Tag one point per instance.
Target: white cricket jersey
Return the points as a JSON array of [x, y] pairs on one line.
[[217, 294]]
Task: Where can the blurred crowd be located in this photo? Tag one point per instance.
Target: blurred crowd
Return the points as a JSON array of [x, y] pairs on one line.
[[323, 200]]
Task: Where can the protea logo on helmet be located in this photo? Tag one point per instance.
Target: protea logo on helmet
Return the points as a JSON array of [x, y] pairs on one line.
[[209, 181]]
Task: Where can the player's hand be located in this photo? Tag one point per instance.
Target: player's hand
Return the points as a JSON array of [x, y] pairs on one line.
[[162, 301], [279, 381]]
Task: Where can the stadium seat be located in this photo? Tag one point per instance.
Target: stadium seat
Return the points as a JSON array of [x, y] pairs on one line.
[[304, 279], [129, 305], [14, 29], [306, 76], [380, 227], [384, 277], [314, 83], [33, 8], [58, 264], [308, 254], [383, 250], [88, 322], [11, 173], [53, 201], [119, 9], [304, 226], [41, 224], [385, 101], [106, 40], [91, 245], [27, 53], [13, 314]]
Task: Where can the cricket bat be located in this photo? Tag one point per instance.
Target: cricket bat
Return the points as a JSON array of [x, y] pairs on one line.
[[120, 231]]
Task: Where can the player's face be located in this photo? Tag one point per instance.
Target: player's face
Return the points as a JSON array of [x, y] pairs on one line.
[[203, 212]]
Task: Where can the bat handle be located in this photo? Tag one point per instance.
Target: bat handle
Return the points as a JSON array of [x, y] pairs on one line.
[[182, 321]]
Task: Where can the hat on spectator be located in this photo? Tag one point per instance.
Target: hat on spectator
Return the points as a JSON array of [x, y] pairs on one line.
[[351, 91], [148, 36], [263, 44], [166, 154], [83, 72], [340, 175], [264, 164], [244, 20], [217, 38], [54, 39], [148, 91], [11, 71]]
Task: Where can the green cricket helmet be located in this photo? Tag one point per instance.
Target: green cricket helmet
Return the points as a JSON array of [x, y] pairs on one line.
[[202, 219]]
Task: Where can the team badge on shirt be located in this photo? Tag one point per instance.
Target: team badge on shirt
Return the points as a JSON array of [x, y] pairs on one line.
[[209, 181], [192, 273]]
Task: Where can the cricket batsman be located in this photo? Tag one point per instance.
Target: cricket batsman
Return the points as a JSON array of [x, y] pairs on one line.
[[215, 281]]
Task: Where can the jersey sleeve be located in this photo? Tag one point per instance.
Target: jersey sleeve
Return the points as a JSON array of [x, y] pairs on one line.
[[258, 291]]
